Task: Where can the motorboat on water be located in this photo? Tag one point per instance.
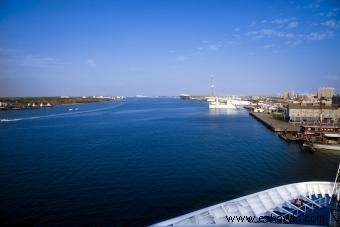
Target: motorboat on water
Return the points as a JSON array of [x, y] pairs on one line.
[[321, 146], [291, 204], [327, 141]]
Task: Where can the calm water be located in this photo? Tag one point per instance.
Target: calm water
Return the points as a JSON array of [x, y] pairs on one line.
[[140, 161]]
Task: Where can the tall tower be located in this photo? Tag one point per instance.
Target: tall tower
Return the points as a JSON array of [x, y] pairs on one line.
[[212, 86]]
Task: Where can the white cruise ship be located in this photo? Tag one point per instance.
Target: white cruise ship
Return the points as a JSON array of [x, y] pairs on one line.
[[216, 102], [219, 103]]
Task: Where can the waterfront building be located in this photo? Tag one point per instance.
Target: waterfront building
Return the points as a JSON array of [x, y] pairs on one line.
[[288, 95], [326, 93], [336, 99], [311, 114]]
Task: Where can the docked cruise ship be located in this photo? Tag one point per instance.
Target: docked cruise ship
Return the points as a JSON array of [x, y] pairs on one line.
[[216, 102], [220, 103], [299, 204]]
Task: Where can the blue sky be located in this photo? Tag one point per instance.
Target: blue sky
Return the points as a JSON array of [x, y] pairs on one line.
[[168, 47]]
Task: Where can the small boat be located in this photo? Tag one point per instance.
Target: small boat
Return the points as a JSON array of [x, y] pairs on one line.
[[70, 109], [76, 109], [332, 135], [320, 146], [328, 141]]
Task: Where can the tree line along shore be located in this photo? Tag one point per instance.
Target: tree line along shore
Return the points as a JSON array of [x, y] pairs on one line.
[[8, 103]]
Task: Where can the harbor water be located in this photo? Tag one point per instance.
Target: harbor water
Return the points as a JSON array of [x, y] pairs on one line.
[[140, 161]]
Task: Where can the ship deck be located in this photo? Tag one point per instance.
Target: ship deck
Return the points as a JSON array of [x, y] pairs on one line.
[[276, 205]]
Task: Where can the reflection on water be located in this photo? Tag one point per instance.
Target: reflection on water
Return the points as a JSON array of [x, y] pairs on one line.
[[223, 111]]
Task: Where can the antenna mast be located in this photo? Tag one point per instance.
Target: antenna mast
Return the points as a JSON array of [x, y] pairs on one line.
[[212, 86]]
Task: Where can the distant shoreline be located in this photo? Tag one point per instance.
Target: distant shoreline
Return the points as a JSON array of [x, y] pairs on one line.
[[24, 103]]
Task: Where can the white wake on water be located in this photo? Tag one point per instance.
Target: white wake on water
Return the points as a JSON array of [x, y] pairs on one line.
[[62, 114]]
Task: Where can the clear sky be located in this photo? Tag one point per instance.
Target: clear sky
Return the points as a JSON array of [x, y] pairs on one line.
[[168, 47]]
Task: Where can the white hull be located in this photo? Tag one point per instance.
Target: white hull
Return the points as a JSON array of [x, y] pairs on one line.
[[240, 103], [221, 106], [216, 103], [319, 146], [260, 204]]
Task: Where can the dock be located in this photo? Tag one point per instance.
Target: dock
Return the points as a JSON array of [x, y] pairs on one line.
[[274, 124], [285, 130]]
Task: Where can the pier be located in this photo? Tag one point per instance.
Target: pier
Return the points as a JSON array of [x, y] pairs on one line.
[[274, 124], [284, 130]]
